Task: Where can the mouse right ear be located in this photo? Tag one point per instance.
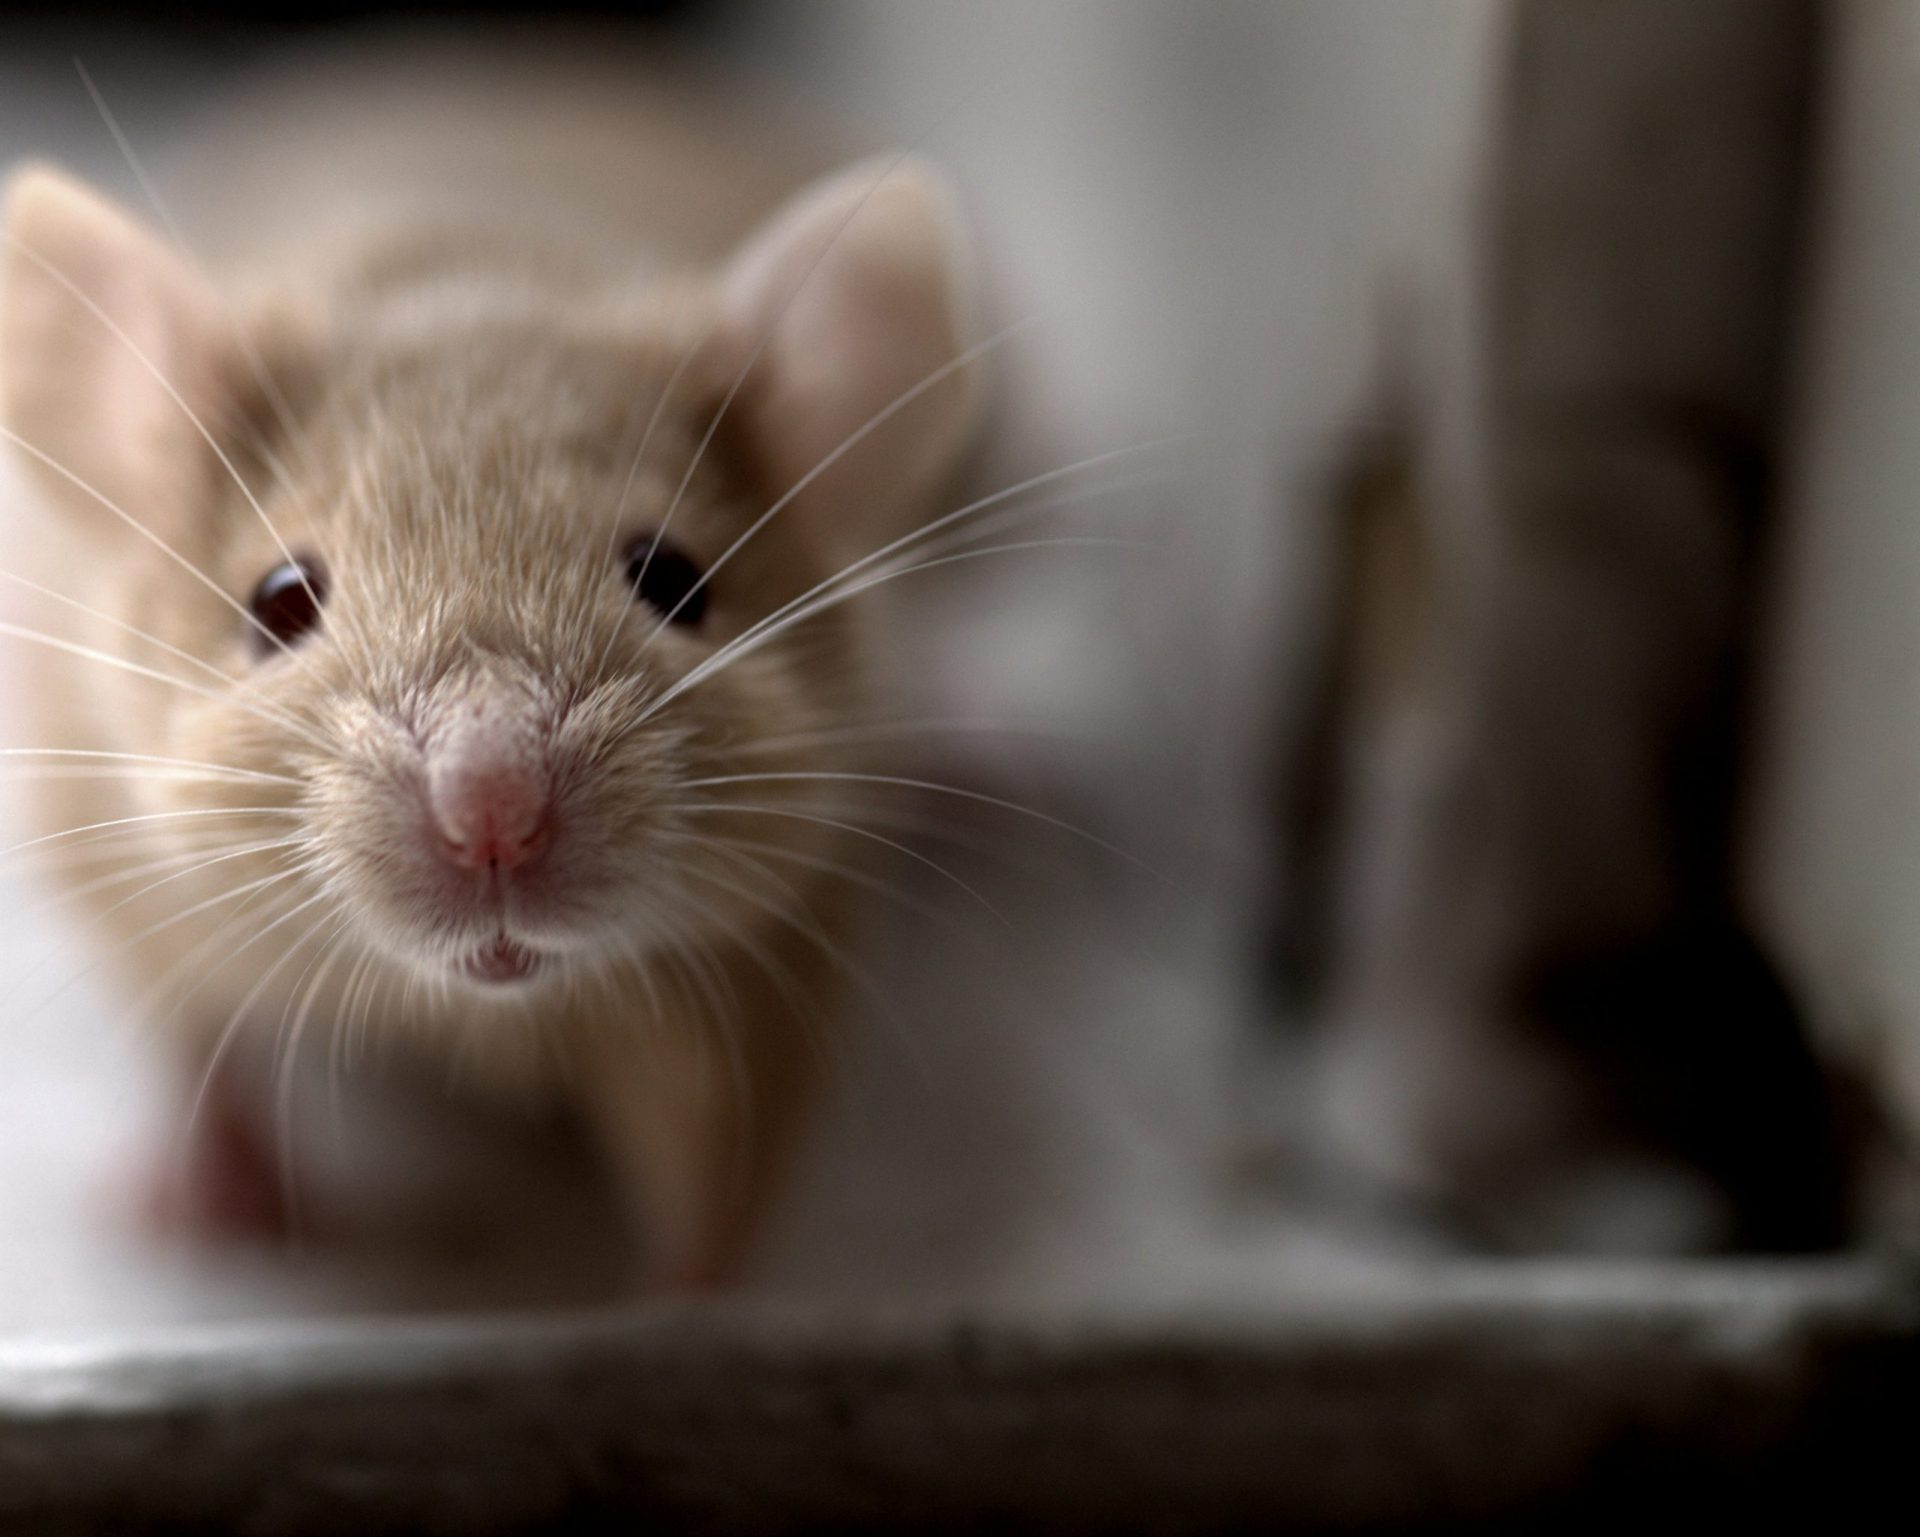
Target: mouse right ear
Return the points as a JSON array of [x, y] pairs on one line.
[[111, 344], [847, 311]]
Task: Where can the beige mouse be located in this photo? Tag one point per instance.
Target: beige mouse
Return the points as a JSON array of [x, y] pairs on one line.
[[422, 580]]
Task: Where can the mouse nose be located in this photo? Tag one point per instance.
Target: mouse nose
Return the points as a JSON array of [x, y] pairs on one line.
[[490, 811]]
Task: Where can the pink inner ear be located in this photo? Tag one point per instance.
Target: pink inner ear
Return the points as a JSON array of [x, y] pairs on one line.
[[853, 289], [104, 325]]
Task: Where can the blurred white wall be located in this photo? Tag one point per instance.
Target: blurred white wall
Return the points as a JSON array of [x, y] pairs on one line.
[[1835, 875]]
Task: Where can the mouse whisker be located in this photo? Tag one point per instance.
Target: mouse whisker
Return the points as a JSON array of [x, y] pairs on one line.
[[119, 842], [790, 988], [345, 1037], [55, 773], [244, 890], [827, 592], [919, 822], [696, 960], [186, 962], [790, 909], [765, 339], [156, 759], [148, 818], [834, 600], [609, 972], [698, 945], [205, 864], [167, 861], [685, 966], [276, 913], [794, 914], [913, 727], [900, 402], [654, 417], [250, 354], [852, 874], [900, 781], [46, 459], [121, 664], [223, 1042], [86, 302], [285, 1066], [196, 860], [896, 892], [245, 686], [852, 828]]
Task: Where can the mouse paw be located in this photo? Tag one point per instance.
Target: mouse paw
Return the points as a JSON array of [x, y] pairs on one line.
[[223, 1183]]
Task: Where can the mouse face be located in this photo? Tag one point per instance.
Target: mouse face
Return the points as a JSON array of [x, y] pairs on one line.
[[480, 613], [460, 551]]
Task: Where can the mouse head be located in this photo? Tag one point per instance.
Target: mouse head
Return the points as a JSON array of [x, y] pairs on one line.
[[458, 578]]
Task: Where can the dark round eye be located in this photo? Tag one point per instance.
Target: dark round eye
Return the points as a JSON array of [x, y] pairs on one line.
[[663, 576], [287, 602]]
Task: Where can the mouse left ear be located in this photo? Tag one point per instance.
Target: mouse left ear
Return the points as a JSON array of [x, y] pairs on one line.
[[108, 339], [854, 288]]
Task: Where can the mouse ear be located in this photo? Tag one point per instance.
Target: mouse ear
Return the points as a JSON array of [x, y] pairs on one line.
[[108, 339], [854, 291]]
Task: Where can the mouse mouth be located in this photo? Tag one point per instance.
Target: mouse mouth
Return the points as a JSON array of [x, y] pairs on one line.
[[501, 960]]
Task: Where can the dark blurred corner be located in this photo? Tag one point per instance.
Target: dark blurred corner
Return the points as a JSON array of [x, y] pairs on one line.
[[1564, 899], [1648, 272]]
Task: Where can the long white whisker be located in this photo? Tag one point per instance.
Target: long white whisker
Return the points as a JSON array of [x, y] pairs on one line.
[[234, 893], [276, 398], [753, 631], [880, 418], [108, 659], [192, 416], [222, 769], [148, 817], [189, 959], [633, 470], [799, 918], [20, 982], [857, 831], [788, 985], [760, 346], [231, 1029], [219, 937], [899, 781], [256, 706], [721, 1010], [839, 869], [41, 456], [169, 861], [862, 732], [745, 645], [286, 1066], [98, 847]]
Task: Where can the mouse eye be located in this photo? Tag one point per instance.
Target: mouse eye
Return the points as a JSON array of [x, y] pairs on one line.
[[662, 575], [287, 602]]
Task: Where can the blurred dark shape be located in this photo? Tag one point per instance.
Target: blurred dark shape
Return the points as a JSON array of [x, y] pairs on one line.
[[1694, 1049], [1563, 867]]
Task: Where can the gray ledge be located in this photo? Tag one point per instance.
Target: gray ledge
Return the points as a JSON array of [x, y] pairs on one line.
[[1446, 1393]]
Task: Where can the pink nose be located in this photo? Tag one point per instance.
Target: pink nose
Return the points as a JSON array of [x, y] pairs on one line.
[[491, 812]]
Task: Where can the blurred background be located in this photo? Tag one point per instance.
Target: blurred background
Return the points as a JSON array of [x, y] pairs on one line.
[[1507, 694]]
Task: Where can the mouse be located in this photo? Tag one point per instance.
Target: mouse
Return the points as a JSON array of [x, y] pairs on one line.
[[439, 636]]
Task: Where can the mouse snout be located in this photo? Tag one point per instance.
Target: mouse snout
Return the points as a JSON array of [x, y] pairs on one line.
[[489, 791], [490, 812]]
